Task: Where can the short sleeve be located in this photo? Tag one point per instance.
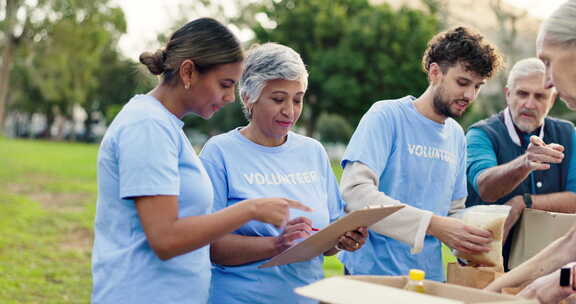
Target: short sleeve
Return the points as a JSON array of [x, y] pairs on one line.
[[214, 164], [371, 143], [480, 155], [571, 179], [148, 153]]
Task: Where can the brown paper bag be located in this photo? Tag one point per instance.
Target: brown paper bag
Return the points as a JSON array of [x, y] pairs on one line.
[[490, 218], [536, 229], [475, 277]]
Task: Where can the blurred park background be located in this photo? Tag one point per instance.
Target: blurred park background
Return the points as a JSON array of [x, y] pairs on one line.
[[68, 66]]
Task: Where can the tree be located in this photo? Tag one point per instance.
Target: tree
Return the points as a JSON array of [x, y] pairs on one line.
[[26, 100], [438, 8], [356, 53], [68, 52], [334, 128], [510, 42], [13, 32], [117, 80]]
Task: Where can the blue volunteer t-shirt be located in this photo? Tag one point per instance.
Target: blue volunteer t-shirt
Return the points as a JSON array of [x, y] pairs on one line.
[[145, 152], [299, 170], [419, 162]]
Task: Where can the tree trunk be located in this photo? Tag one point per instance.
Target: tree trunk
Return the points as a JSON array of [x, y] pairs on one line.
[[24, 122], [50, 117], [60, 121], [88, 122], [5, 80], [7, 57]]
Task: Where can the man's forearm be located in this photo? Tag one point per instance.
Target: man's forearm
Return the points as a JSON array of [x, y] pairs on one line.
[[359, 186], [555, 202], [498, 181]]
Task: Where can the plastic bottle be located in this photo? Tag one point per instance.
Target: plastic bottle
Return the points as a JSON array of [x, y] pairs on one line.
[[416, 281]]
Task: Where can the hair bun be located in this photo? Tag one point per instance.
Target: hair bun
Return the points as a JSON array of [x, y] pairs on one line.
[[154, 61]]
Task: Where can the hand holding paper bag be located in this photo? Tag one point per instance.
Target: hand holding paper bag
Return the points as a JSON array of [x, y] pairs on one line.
[[490, 218], [457, 235]]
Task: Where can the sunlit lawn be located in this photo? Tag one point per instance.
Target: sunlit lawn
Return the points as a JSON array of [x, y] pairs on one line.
[[47, 194], [47, 200]]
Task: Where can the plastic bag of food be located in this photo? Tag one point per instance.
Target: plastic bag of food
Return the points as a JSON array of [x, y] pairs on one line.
[[491, 218]]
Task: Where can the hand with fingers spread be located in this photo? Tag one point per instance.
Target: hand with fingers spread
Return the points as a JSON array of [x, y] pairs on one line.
[[352, 240], [457, 235], [539, 155], [297, 228], [275, 211]]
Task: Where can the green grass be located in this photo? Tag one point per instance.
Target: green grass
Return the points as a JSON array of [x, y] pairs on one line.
[[47, 204], [332, 266], [47, 194]]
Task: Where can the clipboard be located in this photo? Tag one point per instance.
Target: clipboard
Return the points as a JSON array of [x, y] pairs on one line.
[[323, 240]]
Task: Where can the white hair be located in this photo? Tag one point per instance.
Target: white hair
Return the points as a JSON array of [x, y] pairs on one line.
[[525, 68], [560, 27], [270, 61]]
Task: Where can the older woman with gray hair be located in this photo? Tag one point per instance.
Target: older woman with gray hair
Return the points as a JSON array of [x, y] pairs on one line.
[[263, 159], [556, 47]]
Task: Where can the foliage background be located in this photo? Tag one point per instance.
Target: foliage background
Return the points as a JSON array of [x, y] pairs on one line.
[[60, 55]]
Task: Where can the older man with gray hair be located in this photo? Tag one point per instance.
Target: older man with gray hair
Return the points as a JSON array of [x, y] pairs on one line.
[[556, 47], [506, 166]]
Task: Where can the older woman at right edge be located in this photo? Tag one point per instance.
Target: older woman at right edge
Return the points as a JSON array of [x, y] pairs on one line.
[[556, 47]]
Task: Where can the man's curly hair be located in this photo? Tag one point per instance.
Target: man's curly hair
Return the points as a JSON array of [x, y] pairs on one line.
[[466, 46]]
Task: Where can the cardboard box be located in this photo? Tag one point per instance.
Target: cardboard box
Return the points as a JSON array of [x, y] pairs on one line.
[[475, 277], [388, 289], [536, 229]]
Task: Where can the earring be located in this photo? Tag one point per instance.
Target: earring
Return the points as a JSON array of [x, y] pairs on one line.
[[187, 86]]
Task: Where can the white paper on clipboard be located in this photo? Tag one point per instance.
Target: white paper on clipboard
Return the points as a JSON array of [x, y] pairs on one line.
[[323, 240]]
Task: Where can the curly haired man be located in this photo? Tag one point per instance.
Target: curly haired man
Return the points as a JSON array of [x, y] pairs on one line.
[[411, 151]]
